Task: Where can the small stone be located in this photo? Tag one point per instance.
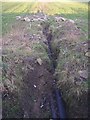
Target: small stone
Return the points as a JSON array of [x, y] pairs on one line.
[[72, 21], [18, 17], [63, 19], [41, 106], [27, 19], [39, 61], [87, 54], [60, 18], [35, 86], [35, 100], [83, 74]]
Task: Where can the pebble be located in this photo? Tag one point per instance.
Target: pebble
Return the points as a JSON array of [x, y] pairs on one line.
[[18, 17], [72, 21], [87, 54], [35, 86], [27, 19], [60, 18], [41, 106], [63, 19], [83, 73], [39, 61], [35, 100]]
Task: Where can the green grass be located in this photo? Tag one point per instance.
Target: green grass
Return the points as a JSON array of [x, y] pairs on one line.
[[69, 10], [9, 13]]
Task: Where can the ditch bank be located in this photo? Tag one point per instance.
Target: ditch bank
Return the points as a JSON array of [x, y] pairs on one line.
[[40, 80]]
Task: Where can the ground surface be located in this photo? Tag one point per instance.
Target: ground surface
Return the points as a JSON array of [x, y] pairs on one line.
[[27, 78]]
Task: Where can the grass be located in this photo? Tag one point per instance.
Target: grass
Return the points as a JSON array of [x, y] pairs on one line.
[[69, 10]]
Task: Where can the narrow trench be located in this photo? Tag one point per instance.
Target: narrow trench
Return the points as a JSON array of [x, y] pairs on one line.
[[56, 102], [49, 37]]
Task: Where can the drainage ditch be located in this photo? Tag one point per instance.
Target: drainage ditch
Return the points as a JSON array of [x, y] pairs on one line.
[[56, 102]]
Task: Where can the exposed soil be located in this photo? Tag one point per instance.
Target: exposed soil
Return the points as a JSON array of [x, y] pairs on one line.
[[36, 85], [36, 89]]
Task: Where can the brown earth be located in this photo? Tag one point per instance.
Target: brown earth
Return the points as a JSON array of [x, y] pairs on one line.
[[36, 89]]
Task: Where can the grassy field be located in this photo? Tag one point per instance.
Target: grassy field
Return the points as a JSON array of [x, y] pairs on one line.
[[69, 10]]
